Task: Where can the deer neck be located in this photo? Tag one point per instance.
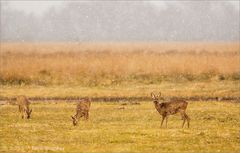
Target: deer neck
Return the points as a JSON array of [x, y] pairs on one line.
[[25, 108], [156, 104], [78, 114], [159, 108]]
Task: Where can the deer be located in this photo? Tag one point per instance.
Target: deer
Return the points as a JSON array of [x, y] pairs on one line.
[[23, 106], [170, 108], [82, 110]]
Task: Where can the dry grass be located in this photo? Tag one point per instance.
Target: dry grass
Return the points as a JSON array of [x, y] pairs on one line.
[[109, 64], [122, 47], [169, 89], [136, 128]]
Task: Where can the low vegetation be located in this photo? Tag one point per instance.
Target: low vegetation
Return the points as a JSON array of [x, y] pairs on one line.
[[120, 127], [204, 89], [116, 64]]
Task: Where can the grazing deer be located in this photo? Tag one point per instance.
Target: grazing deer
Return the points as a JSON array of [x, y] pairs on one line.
[[169, 108], [82, 110], [23, 106]]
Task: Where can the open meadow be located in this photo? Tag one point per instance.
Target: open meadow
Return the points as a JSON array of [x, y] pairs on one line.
[[120, 127], [119, 78]]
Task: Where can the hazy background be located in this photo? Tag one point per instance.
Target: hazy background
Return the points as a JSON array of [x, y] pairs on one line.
[[120, 21]]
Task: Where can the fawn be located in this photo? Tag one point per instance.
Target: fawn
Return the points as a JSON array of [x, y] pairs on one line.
[[169, 108], [23, 106], [82, 110]]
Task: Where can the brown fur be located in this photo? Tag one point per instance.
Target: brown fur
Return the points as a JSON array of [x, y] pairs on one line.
[[169, 108], [82, 110], [23, 106]]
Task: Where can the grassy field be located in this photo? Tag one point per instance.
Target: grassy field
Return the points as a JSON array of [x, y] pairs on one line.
[[114, 127], [117, 64], [42, 71], [64, 70], [201, 89]]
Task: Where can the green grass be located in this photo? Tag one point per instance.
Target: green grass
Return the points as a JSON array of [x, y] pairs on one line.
[[136, 128]]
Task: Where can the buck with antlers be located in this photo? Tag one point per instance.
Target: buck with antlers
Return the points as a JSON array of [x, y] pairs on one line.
[[169, 108]]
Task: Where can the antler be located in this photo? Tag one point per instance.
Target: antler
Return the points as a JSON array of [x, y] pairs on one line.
[[159, 95]]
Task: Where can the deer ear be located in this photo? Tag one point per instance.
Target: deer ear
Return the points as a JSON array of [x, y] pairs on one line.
[[153, 96]]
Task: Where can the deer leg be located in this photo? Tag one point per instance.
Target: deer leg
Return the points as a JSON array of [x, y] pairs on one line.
[[188, 119], [183, 117], [19, 114], [86, 116], [163, 117], [166, 121], [19, 111], [25, 114], [22, 113], [183, 122]]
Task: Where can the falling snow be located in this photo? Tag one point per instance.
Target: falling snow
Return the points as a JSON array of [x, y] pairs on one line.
[[124, 21]]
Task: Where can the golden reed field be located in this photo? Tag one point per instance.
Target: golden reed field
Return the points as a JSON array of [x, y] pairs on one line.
[[93, 64]]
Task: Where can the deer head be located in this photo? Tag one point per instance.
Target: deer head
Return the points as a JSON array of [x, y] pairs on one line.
[[155, 98], [75, 120]]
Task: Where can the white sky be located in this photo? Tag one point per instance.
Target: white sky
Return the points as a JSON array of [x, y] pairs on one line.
[[39, 7]]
